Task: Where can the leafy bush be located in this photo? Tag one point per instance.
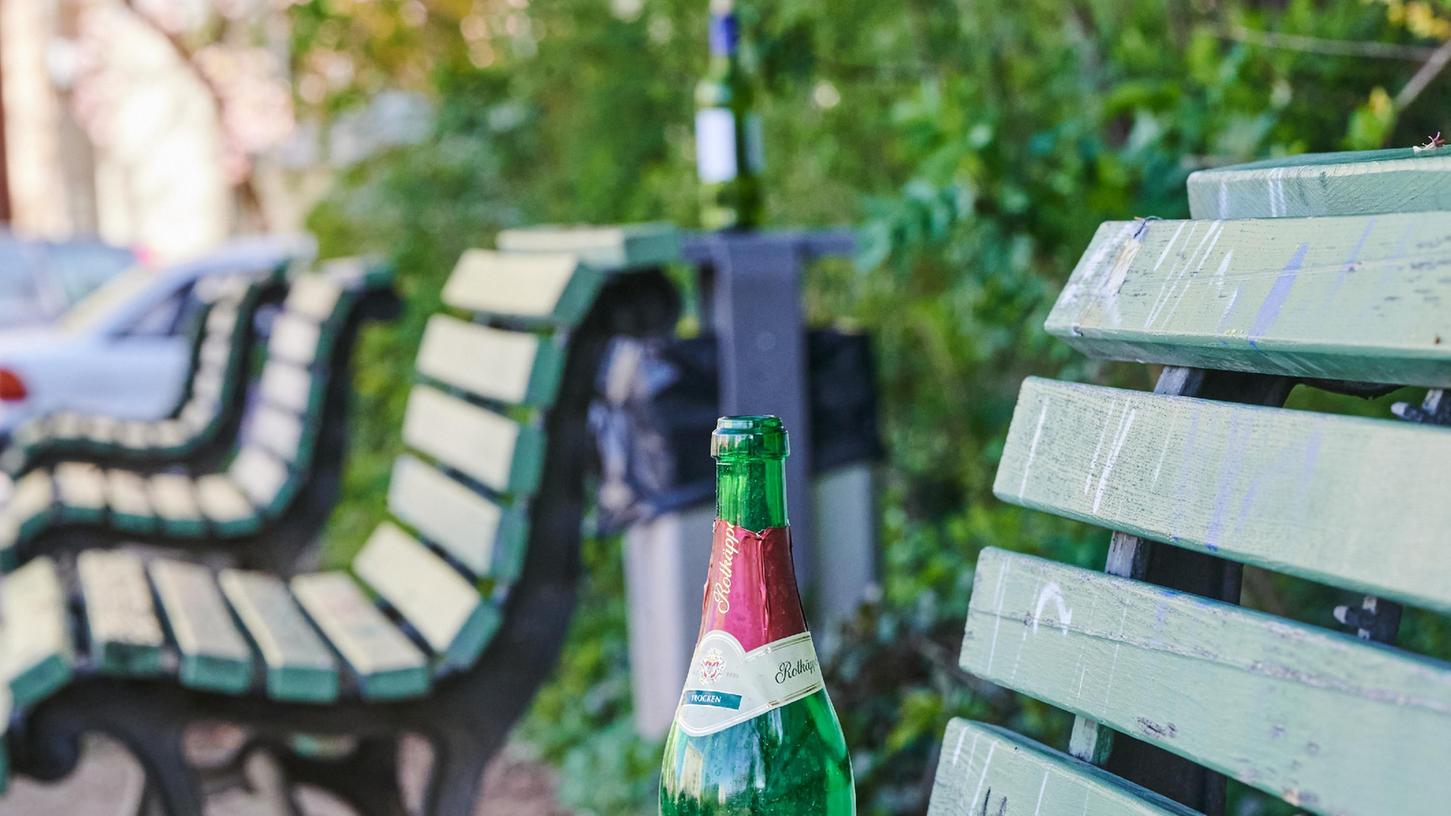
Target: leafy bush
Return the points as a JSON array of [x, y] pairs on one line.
[[977, 145]]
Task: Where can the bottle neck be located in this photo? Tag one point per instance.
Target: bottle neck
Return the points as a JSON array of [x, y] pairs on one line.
[[750, 492], [725, 35]]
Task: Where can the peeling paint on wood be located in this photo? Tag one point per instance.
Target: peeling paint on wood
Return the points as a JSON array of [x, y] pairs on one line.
[[1314, 495], [1354, 298], [1320, 719]]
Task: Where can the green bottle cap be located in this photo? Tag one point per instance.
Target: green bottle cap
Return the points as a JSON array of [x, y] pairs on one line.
[[755, 437]]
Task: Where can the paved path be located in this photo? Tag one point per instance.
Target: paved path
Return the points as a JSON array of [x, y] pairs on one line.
[[108, 783]]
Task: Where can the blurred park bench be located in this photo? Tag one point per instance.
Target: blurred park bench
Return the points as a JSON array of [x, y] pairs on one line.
[[291, 444], [1331, 272], [446, 621], [206, 416]]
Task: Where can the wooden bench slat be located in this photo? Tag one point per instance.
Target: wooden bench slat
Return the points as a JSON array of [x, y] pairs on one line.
[[81, 492], [214, 355], [443, 607], [511, 367], [466, 524], [607, 247], [288, 386], [313, 296], [985, 769], [1292, 491], [169, 434], [545, 287], [262, 478], [126, 637], [294, 339], [137, 435], [67, 425], [1349, 298], [130, 502], [37, 656], [174, 500], [384, 661], [221, 319], [1321, 719], [199, 414], [495, 450], [298, 663], [99, 431], [214, 655], [208, 384], [1350, 183], [224, 504], [31, 507]]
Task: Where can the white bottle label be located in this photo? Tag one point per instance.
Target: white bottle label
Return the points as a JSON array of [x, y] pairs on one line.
[[728, 685], [715, 145]]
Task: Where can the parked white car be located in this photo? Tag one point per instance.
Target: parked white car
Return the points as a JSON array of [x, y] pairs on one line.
[[40, 280], [122, 350]]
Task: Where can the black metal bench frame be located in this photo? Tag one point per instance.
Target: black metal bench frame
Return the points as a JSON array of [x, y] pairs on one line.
[[465, 719]]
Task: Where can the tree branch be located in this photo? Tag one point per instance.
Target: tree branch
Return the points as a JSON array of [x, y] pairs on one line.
[[246, 187], [1432, 68], [1336, 48]]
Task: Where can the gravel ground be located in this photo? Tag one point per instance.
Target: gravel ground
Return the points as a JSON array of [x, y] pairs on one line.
[[108, 783]]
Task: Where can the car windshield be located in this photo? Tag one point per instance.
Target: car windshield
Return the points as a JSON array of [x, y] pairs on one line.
[[93, 308], [79, 268]]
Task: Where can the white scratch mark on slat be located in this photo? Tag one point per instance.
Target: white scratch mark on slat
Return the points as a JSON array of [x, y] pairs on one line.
[[957, 752], [982, 779], [1163, 454], [998, 614], [1118, 445], [1223, 199], [1097, 450], [1033, 449], [1018, 658], [1186, 277], [1038, 809], [1220, 272], [1082, 672], [1170, 245], [1167, 282], [1234, 296], [1052, 592]]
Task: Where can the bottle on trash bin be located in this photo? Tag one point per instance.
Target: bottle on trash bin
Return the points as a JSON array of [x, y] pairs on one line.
[[728, 149], [755, 733]]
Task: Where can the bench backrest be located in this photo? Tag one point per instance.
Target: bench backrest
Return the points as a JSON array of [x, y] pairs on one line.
[[488, 371], [1172, 687], [279, 440]]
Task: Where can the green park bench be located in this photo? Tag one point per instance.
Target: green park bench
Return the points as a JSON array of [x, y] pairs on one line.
[[443, 624], [206, 415], [298, 417], [1327, 271]]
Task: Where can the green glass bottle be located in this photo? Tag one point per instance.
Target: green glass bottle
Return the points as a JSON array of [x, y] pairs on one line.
[[728, 149], [755, 733]]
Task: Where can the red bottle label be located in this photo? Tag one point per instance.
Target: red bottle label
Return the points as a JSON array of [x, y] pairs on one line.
[[754, 653], [751, 589]]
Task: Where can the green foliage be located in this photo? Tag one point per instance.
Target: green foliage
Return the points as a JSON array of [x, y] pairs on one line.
[[975, 144]]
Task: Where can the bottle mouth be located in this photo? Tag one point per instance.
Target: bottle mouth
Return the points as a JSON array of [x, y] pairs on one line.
[[755, 437]]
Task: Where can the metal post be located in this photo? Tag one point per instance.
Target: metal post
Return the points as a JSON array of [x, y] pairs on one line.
[[754, 295]]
